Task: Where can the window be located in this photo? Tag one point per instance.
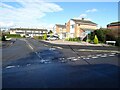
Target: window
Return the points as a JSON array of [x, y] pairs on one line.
[[61, 30], [78, 24], [72, 26]]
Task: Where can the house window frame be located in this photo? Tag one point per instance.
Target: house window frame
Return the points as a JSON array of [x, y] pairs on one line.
[[73, 26]]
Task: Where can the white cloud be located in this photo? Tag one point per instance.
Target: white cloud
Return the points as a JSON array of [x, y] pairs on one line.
[[88, 19], [6, 24], [50, 26], [92, 10], [83, 15], [29, 14]]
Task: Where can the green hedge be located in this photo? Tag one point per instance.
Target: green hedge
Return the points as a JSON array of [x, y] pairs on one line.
[[39, 37], [73, 39], [13, 36]]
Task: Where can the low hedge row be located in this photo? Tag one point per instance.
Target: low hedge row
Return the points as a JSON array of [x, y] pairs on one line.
[[13, 36], [39, 37], [73, 39]]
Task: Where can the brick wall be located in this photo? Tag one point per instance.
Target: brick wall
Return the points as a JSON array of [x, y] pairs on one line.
[[113, 27]]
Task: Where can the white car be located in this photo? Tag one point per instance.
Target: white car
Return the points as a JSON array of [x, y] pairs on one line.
[[52, 38]]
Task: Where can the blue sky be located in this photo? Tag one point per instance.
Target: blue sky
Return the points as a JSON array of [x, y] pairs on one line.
[[106, 12], [47, 14]]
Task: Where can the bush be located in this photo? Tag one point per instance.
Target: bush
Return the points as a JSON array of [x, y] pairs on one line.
[[100, 34], [118, 41], [91, 36], [45, 36], [95, 40], [38, 37], [73, 39], [13, 35], [3, 38], [23, 36]]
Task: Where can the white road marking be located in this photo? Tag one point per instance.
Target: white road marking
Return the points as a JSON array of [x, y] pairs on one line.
[[99, 55], [61, 58], [87, 58], [94, 57], [59, 47], [79, 57], [111, 55], [68, 58], [45, 45], [104, 56], [62, 61], [51, 48], [82, 56], [72, 57], [75, 59], [99, 50], [10, 66], [89, 55], [30, 46], [28, 64]]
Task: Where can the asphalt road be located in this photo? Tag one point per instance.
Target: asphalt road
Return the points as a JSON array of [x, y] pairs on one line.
[[29, 63]]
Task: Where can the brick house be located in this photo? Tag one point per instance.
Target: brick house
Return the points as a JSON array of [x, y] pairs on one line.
[[60, 30], [114, 25], [79, 27], [115, 28]]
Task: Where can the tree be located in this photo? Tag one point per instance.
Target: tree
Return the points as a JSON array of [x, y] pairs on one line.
[[95, 40], [50, 32], [3, 38], [45, 36], [91, 36], [101, 35]]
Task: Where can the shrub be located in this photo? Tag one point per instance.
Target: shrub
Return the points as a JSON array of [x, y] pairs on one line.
[[91, 36], [118, 41], [100, 34], [95, 40], [3, 38], [45, 36], [13, 35], [23, 36], [73, 39], [38, 37]]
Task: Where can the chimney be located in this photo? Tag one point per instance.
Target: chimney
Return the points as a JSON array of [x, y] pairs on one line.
[[82, 18]]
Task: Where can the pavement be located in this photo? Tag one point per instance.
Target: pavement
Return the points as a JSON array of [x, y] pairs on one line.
[[64, 42], [81, 46], [30, 63]]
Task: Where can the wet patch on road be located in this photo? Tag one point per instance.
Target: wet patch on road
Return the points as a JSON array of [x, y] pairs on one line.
[[52, 55]]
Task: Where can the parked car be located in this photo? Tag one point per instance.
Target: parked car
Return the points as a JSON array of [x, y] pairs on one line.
[[52, 38], [27, 36]]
